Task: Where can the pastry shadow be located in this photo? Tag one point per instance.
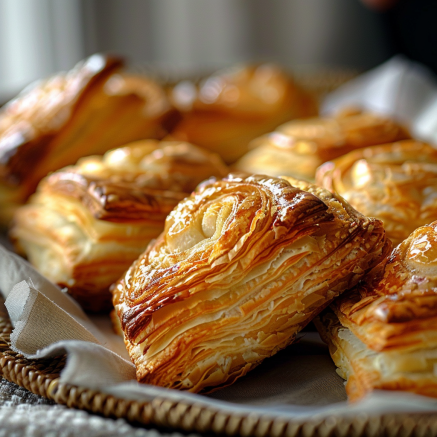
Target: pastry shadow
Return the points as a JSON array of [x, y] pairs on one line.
[[301, 374]]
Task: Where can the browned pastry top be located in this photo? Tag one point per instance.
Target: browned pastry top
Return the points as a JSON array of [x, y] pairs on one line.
[[140, 182], [41, 110], [245, 90], [227, 110], [154, 103], [88, 110], [396, 307], [221, 216], [242, 265], [331, 137], [395, 182], [299, 147]]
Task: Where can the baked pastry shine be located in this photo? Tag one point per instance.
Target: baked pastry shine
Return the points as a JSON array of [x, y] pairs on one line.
[[87, 223], [88, 110], [395, 182], [383, 333], [297, 148], [242, 265], [227, 110]]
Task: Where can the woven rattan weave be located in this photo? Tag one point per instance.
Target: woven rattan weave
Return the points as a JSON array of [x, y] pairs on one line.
[[42, 377]]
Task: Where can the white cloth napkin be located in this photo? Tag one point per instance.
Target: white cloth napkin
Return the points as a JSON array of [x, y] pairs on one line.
[[299, 382], [399, 88], [48, 322]]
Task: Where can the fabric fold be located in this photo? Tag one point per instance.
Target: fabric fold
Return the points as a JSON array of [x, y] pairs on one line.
[[44, 329], [48, 322], [399, 88]]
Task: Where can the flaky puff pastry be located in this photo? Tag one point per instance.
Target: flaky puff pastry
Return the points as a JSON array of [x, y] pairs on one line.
[[88, 110], [87, 223], [395, 182], [383, 334], [242, 265], [297, 148], [224, 112]]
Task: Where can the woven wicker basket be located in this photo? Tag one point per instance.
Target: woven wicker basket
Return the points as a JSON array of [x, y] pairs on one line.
[[42, 378]]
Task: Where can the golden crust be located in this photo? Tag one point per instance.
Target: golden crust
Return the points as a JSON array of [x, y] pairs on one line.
[[297, 148], [230, 108], [90, 109], [395, 182], [384, 330], [242, 265], [87, 223], [397, 305], [366, 370]]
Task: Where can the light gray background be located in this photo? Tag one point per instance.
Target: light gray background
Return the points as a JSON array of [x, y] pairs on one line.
[[39, 37]]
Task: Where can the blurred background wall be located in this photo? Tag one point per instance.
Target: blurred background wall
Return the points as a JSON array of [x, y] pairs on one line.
[[39, 37]]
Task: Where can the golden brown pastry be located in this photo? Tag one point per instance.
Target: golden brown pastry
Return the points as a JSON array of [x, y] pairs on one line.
[[230, 108], [396, 183], [242, 265], [90, 109], [297, 148], [383, 334], [87, 223]]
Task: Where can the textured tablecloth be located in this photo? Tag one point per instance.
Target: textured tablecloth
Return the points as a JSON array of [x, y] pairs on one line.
[[24, 414]]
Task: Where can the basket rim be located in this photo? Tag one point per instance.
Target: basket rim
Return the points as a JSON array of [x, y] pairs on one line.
[[42, 377]]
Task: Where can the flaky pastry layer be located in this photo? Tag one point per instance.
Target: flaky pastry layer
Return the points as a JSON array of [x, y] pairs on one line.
[[88, 110], [297, 148], [395, 182], [87, 223], [383, 332], [366, 369], [225, 111], [242, 265]]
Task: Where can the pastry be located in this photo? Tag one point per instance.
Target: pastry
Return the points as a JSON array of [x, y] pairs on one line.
[[382, 334], [87, 223], [297, 148], [243, 264], [227, 110], [395, 182], [90, 109]]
